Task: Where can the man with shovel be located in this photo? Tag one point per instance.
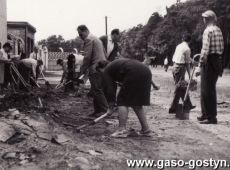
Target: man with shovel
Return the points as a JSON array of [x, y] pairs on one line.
[[94, 52], [182, 61]]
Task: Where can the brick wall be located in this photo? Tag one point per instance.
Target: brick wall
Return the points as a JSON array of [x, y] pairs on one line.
[[19, 32]]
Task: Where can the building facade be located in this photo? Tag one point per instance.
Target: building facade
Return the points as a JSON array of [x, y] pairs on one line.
[[3, 22], [21, 32]]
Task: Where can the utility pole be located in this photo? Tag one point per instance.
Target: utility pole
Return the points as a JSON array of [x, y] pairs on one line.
[[106, 25]]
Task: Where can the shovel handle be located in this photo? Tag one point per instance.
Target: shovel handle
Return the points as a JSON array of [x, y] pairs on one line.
[[94, 121], [101, 117], [83, 126]]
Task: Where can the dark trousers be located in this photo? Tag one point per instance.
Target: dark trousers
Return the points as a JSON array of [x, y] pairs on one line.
[[209, 77], [70, 77], [7, 75], [99, 100], [25, 73], [179, 93]]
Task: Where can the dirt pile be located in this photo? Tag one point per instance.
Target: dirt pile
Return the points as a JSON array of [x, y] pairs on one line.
[[25, 101]]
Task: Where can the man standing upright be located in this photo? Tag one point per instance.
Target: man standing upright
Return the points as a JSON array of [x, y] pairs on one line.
[[94, 52], [4, 55], [111, 45], [181, 64], [35, 55], [210, 67]]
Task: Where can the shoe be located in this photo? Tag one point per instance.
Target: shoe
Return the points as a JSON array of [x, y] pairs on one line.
[[192, 107], [201, 118], [213, 121], [172, 111], [146, 133], [120, 134]]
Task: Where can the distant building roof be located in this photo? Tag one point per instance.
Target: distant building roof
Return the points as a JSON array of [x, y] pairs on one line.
[[21, 24]]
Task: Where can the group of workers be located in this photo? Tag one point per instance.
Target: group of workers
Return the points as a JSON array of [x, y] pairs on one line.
[[115, 81], [16, 71], [122, 83], [134, 79]]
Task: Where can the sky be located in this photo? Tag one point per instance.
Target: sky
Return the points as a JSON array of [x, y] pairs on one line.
[[61, 17]]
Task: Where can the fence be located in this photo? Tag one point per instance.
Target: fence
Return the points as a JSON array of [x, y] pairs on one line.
[[52, 60]]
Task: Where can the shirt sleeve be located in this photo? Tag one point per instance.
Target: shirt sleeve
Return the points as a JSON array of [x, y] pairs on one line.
[[205, 44], [31, 55], [64, 74], [88, 48], [188, 58], [34, 65], [1, 56]]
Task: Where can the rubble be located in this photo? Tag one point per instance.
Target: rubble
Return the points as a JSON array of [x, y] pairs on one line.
[[79, 163], [20, 158], [61, 139], [40, 127], [6, 131], [95, 153]]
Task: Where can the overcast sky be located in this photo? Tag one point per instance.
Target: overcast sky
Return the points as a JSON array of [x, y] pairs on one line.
[[63, 16]]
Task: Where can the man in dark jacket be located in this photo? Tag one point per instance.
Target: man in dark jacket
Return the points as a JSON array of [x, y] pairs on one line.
[[111, 45], [94, 52]]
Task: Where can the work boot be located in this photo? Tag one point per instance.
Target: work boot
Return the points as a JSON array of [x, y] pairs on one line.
[[202, 118], [209, 121], [172, 111]]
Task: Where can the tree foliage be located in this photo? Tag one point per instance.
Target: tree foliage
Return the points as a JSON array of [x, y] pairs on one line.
[[160, 35], [54, 42]]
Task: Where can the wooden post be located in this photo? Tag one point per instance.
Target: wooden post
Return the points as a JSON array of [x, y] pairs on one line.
[[106, 25]]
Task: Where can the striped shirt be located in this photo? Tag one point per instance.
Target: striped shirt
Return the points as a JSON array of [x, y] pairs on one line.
[[213, 42]]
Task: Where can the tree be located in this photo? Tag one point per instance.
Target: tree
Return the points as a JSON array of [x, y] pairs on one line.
[[164, 33], [53, 43]]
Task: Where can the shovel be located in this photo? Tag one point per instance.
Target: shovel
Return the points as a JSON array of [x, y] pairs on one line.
[[94, 121], [62, 85], [195, 58], [46, 82]]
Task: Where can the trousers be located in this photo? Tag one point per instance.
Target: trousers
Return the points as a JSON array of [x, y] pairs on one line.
[[209, 77], [99, 100], [179, 93]]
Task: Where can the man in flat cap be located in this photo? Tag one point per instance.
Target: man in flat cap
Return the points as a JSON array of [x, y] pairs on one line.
[[210, 67]]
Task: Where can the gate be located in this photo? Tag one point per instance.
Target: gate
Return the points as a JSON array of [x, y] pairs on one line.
[[52, 60]]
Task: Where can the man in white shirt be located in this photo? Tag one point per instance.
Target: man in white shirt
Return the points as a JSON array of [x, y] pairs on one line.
[[182, 61], [28, 68], [5, 76], [78, 60], [35, 54]]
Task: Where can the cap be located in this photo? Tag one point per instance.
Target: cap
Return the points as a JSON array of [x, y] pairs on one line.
[[209, 14]]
